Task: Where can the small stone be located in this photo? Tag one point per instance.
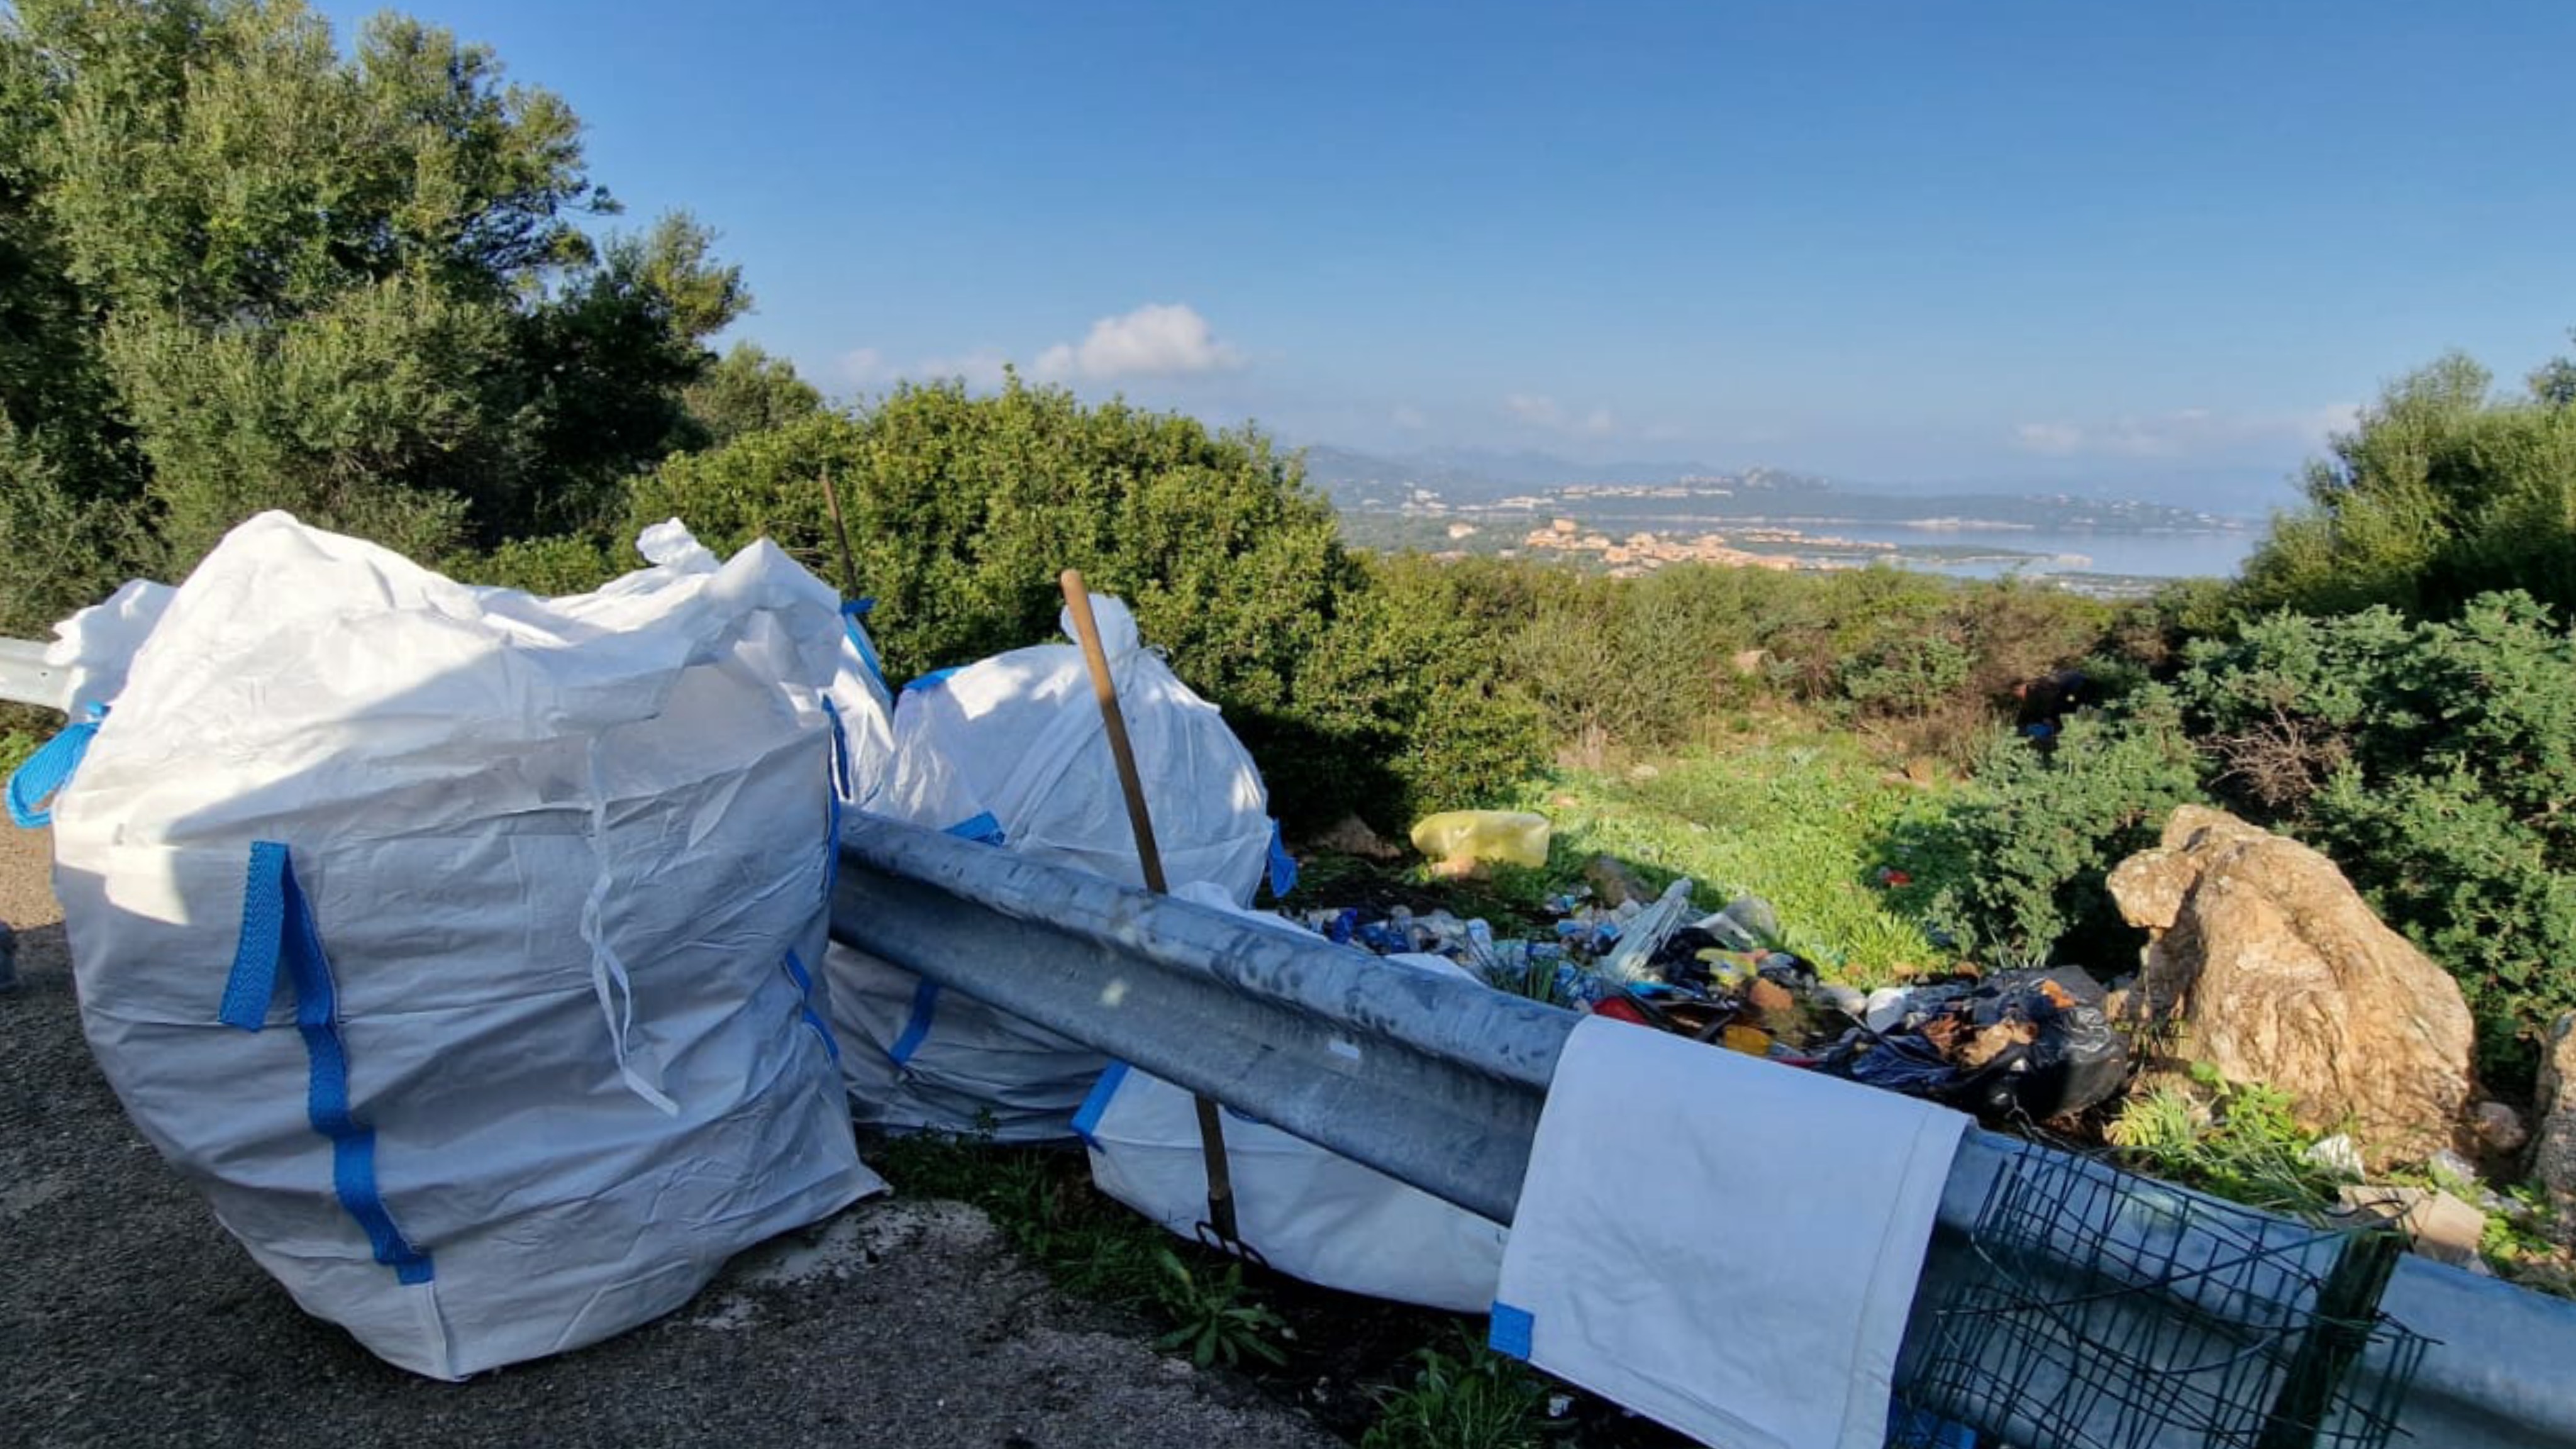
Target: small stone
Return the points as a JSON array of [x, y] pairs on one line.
[[2553, 1147], [1613, 882], [1351, 836], [2499, 1127]]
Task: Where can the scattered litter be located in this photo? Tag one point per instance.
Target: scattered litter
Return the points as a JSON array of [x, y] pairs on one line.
[[2030, 1044]]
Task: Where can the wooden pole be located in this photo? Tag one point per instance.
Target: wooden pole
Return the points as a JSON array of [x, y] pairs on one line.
[[841, 532], [1104, 687]]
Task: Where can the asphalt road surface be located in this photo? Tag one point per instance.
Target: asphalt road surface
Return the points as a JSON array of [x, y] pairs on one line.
[[129, 1317]]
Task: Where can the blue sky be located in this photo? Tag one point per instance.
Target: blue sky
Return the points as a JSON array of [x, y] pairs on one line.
[[2159, 247]]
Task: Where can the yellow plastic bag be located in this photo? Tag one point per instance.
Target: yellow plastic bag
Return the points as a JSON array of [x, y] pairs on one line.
[[1513, 837]]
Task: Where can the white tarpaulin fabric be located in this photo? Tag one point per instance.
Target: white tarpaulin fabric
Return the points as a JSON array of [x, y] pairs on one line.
[[862, 708], [1759, 1303], [1309, 1212], [96, 646], [455, 941], [1012, 751]]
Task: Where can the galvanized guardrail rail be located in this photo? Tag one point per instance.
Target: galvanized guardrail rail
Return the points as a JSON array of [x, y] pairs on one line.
[[1438, 1083], [25, 677]]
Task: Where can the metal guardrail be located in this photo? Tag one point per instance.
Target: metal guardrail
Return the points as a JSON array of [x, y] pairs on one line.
[[1438, 1082], [25, 677]]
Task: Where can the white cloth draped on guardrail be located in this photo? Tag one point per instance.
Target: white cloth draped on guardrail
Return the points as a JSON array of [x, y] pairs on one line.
[[1726, 1245]]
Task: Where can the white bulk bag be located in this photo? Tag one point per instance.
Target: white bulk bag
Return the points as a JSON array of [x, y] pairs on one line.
[[455, 941], [862, 711], [1309, 1212], [862, 714], [1012, 751]]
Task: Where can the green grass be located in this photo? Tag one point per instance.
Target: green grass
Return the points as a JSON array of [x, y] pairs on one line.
[[1803, 819], [1473, 1399], [15, 747], [2236, 1140]]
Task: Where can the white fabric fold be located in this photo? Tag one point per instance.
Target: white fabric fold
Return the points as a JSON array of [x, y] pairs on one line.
[[1726, 1245]]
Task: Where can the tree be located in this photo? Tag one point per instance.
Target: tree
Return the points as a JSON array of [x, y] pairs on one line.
[[749, 391], [258, 273], [2554, 382], [963, 509], [2443, 491]]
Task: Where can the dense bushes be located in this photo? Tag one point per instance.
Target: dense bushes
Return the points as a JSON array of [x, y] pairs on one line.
[[1383, 685], [2432, 760], [2435, 762], [2045, 828], [2442, 493], [962, 510]]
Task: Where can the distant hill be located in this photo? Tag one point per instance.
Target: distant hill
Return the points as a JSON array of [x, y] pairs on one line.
[[1474, 482]]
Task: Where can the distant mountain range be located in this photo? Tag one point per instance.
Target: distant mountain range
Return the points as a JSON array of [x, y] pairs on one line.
[[1476, 481]]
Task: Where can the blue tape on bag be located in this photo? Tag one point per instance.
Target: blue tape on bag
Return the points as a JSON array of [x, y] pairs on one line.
[[277, 931], [43, 774]]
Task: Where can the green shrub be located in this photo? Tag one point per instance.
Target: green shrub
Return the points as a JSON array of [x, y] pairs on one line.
[[2433, 762], [560, 564], [1355, 686], [2239, 1143], [1403, 709], [2443, 491], [2046, 826], [2430, 760]]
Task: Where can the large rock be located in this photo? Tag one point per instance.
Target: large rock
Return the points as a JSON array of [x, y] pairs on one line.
[[2266, 964], [2553, 1149]]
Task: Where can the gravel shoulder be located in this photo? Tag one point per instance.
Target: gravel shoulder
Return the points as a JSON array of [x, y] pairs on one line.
[[129, 1317]]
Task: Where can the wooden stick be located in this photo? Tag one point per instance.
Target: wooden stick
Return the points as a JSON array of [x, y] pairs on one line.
[[1104, 687], [849, 565]]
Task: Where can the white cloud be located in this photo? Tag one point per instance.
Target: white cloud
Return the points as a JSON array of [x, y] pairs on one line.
[[2054, 439], [864, 367], [1409, 418], [1159, 339], [869, 367], [1541, 411], [2185, 432]]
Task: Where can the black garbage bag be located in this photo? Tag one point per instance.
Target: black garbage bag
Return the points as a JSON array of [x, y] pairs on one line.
[[1895, 1062], [2073, 1057], [2075, 1061]]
